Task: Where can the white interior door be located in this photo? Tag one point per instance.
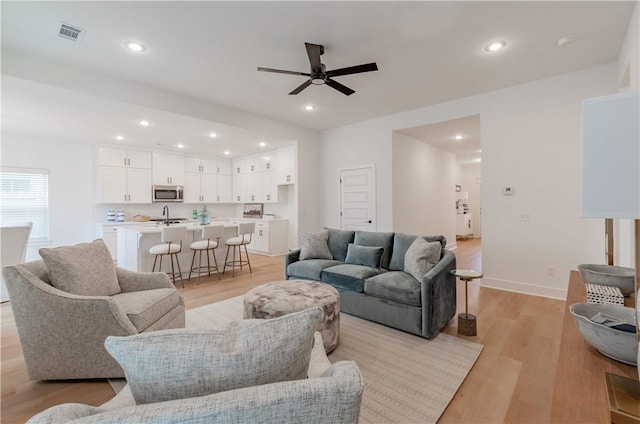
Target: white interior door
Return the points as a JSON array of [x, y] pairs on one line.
[[357, 199]]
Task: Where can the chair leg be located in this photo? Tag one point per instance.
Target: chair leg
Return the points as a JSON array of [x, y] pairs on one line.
[[153, 268], [173, 273], [248, 261], [179, 270], [193, 258], [226, 257], [208, 263], [213, 252], [240, 257], [233, 269], [199, 266], [160, 265]]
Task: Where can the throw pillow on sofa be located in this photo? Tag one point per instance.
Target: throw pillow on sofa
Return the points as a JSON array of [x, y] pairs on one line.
[[314, 245], [421, 256], [85, 269], [364, 255], [182, 363]]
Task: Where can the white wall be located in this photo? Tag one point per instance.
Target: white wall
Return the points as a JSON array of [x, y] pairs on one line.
[[531, 139], [71, 184], [423, 188]]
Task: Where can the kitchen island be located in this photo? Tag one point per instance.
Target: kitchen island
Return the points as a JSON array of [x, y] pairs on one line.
[[134, 242]]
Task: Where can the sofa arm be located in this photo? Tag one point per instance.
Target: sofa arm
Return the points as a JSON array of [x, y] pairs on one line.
[[289, 258], [131, 281], [438, 295]]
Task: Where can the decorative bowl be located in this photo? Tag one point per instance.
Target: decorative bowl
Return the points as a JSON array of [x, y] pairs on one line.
[[616, 344], [141, 218], [609, 275]]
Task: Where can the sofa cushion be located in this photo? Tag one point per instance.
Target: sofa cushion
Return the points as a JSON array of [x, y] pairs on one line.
[[401, 243], [375, 239], [146, 307], [311, 268], [394, 285], [314, 245], [85, 269], [349, 277], [183, 363], [421, 256], [339, 241], [364, 255]]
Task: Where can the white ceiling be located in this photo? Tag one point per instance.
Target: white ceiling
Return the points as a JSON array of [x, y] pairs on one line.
[[427, 53]]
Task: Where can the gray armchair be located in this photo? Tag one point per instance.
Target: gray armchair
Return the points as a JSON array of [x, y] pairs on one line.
[[63, 334]]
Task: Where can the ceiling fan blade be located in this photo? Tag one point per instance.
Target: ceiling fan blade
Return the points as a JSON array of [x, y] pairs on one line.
[[341, 88], [301, 87], [280, 71], [352, 70], [314, 51]]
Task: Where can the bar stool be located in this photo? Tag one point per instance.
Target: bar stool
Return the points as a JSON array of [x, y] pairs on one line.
[[171, 245], [210, 240], [245, 232]]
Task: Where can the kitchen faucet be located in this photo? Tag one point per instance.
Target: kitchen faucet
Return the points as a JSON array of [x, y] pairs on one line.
[[165, 213]]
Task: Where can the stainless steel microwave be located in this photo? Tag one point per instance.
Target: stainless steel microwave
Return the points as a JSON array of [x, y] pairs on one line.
[[163, 193]]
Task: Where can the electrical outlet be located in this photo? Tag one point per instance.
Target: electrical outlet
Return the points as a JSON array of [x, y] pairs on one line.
[[551, 271], [525, 217]]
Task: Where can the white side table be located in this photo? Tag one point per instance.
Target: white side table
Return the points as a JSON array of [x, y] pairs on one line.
[[466, 321]]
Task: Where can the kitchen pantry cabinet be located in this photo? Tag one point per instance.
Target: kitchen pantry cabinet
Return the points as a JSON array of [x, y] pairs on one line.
[[256, 178], [124, 176], [203, 182], [285, 166], [270, 237], [168, 169]]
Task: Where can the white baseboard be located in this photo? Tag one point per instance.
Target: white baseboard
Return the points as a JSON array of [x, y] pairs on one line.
[[525, 288], [452, 246]]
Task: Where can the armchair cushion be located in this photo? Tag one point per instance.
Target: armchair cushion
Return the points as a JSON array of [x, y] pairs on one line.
[[85, 269], [178, 364], [144, 308]]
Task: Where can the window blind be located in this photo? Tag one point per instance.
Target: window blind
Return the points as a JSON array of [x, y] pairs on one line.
[[24, 197]]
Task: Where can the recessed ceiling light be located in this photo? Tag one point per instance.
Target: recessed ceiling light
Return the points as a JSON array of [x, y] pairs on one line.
[[459, 137], [144, 123], [480, 151], [135, 47], [180, 146], [119, 138], [226, 152], [495, 46], [309, 108], [566, 40], [213, 135], [477, 160], [262, 144]]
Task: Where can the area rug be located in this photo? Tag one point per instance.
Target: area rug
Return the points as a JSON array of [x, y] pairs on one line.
[[407, 379]]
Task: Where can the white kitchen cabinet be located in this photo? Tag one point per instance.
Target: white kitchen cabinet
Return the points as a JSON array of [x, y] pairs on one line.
[[109, 233], [239, 167], [168, 169], [192, 187], [285, 166], [253, 187], [270, 237], [463, 225], [268, 188], [240, 188], [123, 176], [224, 188], [201, 188], [223, 167]]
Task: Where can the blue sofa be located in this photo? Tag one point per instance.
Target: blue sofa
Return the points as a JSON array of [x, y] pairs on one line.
[[387, 294]]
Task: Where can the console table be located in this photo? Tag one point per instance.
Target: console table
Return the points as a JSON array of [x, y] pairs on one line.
[[580, 388]]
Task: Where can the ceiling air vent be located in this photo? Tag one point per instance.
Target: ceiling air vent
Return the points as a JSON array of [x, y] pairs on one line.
[[70, 32]]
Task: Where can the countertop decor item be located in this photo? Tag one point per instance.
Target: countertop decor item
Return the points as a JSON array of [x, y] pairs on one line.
[[111, 215], [141, 218], [609, 275], [614, 343]]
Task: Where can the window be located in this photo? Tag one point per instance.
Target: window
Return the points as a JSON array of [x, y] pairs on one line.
[[24, 197]]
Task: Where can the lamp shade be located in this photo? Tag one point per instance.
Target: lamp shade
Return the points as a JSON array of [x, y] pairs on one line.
[[611, 156]]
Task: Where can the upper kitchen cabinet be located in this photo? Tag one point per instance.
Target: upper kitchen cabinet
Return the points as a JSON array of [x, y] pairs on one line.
[[124, 176], [223, 167], [168, 169], [285, 166]]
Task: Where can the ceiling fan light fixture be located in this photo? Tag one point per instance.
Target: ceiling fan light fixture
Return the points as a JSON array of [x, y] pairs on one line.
[[495, 46]]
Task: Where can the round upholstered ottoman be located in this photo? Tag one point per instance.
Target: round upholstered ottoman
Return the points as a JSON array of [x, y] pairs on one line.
[[284, 297]]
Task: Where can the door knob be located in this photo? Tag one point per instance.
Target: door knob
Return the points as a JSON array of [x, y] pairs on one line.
[[368, 222]]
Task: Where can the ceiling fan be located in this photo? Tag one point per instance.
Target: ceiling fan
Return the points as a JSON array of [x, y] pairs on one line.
[[319, 74]]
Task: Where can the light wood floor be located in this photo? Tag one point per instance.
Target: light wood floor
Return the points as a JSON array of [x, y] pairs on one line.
[[513, 380]]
